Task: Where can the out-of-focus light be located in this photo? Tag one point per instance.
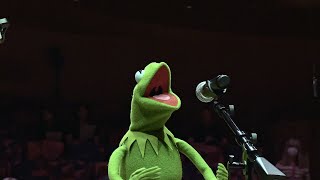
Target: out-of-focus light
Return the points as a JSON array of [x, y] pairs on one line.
[[189, 7]]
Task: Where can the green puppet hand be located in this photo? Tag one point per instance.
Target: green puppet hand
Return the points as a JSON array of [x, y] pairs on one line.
[[146, 174], [222, 173]]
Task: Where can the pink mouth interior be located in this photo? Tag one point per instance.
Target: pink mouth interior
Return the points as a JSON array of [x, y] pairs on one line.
[[159, 86]]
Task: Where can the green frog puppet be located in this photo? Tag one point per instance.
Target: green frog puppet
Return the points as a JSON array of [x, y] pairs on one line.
[[149, 150]]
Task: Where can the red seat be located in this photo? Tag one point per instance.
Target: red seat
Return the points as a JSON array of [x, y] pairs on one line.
[[33, 150], [52, 150]]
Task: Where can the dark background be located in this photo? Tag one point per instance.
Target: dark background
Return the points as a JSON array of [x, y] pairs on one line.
[[268, 48]]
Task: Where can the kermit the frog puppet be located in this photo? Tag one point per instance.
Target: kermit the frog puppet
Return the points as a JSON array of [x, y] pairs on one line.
[[149, 150]]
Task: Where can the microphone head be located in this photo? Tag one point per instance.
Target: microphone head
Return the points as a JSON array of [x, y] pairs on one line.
[[200, 93], [209, 90], [223, 81], [219, 84]]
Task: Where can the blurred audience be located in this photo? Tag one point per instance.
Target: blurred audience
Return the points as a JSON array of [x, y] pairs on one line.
[[48, 148], [40, 148], [83, 143]]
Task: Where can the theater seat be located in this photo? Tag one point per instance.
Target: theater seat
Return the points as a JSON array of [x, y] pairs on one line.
[[52, 150], [34, 150]]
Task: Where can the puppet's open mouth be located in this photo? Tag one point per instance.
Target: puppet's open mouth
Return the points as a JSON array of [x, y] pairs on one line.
[[158, 88]]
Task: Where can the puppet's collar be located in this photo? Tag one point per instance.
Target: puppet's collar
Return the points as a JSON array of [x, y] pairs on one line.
[[131, 136]]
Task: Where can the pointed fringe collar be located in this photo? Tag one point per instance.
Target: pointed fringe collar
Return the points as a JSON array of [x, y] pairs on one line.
[[131, 136]]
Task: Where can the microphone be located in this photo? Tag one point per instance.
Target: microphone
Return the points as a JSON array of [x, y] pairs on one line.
[[4, 24], [209, 90]]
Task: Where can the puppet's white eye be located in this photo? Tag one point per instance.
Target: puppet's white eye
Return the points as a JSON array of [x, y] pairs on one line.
[[138, 75]]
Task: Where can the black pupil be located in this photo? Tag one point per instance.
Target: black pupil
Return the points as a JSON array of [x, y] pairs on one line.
[[156, 91]]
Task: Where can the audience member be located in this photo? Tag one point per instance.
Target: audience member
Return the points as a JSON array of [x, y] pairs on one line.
[[81, 127], [294, 163], [48, 126]]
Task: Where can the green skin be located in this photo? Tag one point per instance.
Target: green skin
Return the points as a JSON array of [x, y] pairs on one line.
[[149, 150]]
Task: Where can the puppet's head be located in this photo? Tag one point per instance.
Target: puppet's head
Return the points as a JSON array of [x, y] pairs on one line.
[[153, 101]]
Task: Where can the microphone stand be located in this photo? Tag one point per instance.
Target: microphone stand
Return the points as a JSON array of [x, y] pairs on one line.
[[250, 157], [315, 84]]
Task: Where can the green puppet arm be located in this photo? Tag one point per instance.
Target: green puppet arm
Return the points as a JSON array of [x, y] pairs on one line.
[[115, 162], [196, 159]]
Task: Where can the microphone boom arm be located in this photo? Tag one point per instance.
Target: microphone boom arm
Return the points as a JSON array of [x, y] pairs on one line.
[[264, 169]]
